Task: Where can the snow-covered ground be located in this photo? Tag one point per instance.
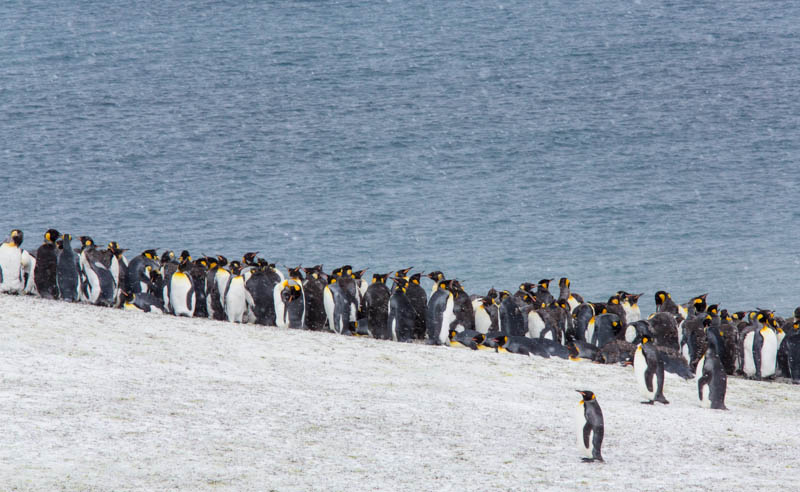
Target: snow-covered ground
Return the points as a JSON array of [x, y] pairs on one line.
[[101, 399]]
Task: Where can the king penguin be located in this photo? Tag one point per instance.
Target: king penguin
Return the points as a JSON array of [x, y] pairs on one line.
[[760, 348], [181, 291], [376, 306], [401, 317], [419, 301], [589, 427], [235, 295], [11, 264], [649, 370], [68, 277], [313, 289], [340, 302], [712, 382], [99, 287], [46, 270], [437, 305]]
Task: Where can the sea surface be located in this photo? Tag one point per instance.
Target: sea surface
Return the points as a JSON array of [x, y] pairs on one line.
[[635, 145]]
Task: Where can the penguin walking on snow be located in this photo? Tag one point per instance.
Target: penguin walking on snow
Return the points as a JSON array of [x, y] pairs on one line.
[[648, 367], [712, 381], [590, 427]]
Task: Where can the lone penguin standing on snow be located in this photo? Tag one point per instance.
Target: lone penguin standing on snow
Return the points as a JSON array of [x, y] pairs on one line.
[[589, 427]]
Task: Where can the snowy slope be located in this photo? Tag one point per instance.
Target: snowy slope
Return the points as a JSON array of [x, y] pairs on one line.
[[100, 399]]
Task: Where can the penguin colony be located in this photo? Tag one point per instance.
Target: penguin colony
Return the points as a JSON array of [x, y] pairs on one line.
[[693, 340]]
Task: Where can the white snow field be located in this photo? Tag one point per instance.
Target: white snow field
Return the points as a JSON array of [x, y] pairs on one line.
[[102, 399]]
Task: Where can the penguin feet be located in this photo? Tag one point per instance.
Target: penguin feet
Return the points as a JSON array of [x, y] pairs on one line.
[[663, 400], [647, 402], [592, 460]]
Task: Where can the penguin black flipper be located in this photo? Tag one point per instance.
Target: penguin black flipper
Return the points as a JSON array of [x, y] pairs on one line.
[[648, 378], [758, 343]]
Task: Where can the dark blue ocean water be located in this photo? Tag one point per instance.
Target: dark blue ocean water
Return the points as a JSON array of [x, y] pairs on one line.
[[629, 145]]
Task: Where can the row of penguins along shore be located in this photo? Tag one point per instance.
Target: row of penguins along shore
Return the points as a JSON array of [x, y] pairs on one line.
[[681, 339]]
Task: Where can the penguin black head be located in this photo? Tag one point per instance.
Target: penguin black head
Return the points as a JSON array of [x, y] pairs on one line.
[[563, 304], [314, 272], [563, 282], [249, 259], [500, 340], [587, 395], [377, 278], [713, 309], [150, 254], [16, 237], [486, 301], [492, 293], [634, 298], [167, 256], [699, 303], [360, 273], [415, 278], [236, 268], [707, 321], [545, 283], [60, 243], [51, 236], [185, 256], [479, 338], [222, 261], [296, 272], [86, 242], [504, 295], [403, 272], [435, 276], [401, 283], [661, 297], [646, 340], [344, 271], [615, 299]]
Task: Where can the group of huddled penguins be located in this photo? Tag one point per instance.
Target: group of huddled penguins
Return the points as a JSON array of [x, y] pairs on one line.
[[681, 339]]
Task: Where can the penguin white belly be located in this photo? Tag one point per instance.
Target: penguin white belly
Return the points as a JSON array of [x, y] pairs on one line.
[[573, 303], [639, 369], [235, 300], [92, 279], [11, 266], [115, 274], [589, 335], [580, 422], [704, 401], [221, 278], [483, 322], [680, 331], [28, 264], [280, 306], [685, 353], [769, 352], [447, 318], [749, 365], [535, 324], [630, 333], [327, 298], [636, 314], [180, 286]]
